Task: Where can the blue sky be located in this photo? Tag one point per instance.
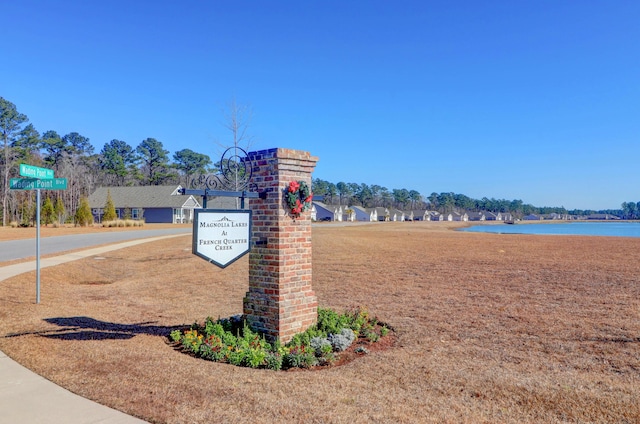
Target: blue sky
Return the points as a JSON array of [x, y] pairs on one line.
[[531, 100]]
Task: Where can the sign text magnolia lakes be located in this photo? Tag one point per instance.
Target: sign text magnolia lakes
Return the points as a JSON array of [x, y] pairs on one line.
[[221, 236], [223, 243]]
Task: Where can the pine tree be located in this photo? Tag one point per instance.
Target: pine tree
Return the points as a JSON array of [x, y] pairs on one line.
[[83, 215], [59, 209], [47, 212], [109, 209]]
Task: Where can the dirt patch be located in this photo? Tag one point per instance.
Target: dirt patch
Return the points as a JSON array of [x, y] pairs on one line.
[[356, 351], [490, 328]]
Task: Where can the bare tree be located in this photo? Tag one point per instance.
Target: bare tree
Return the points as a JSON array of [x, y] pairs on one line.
[[237, 119]]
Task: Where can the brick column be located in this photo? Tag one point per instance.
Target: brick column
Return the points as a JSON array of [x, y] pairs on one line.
[[280, 301]]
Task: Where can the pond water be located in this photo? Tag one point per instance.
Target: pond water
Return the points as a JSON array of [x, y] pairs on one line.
[[616, 229]]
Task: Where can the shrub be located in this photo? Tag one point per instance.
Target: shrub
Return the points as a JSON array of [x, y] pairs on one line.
[[300, 357], [321, 345], [47, 213], [109, 209], [323, 350], [59, 209], [342, 341], [359, 317], [231, 340], [372, 336], [83, 214], [236, 357], [122, 223], [304, 339], [274, 361], [176, 335], [191, 340], [331, 322], [255, 357]]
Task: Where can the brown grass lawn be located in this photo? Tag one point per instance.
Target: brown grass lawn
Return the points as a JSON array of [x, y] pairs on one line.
[[491, 328]]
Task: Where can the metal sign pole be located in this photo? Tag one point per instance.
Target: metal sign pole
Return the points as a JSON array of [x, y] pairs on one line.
[[38, 246], [37, 178]]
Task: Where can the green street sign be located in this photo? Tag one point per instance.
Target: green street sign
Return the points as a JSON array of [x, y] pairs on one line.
[[33, 184], [36, 172]]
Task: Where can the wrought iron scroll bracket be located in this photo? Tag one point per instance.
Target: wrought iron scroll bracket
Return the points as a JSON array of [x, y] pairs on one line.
[[233, 179]]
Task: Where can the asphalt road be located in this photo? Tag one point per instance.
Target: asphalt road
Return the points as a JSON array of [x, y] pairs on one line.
[[19, 249]]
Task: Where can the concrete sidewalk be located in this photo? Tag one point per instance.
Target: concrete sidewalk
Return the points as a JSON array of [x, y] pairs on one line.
[[26, 397]]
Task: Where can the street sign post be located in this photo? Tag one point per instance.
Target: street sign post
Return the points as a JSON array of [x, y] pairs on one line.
[[35, 184], [38, 179], [35, 172]]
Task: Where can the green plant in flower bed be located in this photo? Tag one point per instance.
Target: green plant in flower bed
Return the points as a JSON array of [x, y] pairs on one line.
[[330, 322], [342, 340], [372, 336], [273, 361], [231, 340], [302, 356], [359, 319]]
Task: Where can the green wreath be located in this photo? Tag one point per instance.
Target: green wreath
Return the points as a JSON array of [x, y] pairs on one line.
[[298, 197]]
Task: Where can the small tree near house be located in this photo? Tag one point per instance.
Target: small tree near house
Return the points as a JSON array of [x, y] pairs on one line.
[[83, 215], [109, 209]]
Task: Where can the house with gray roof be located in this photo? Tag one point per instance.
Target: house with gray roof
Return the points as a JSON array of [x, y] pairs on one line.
[[460, 216], [396, 215], [434, 216], [419, 215], [492, 216], [361, 214], [154, 204], [603, 216], [373, 213], [381, 214], [476, 216], [323, 212]]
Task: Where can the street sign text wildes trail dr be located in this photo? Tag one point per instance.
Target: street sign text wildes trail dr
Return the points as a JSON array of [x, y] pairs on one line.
[[33, 184], [36, 172]]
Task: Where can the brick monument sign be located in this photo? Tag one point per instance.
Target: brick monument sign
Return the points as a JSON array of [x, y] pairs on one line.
[[280, 301]]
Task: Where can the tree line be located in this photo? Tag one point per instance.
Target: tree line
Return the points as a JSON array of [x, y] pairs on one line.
[[630, 210], [72, 156], [370, 196], [364, 195]]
